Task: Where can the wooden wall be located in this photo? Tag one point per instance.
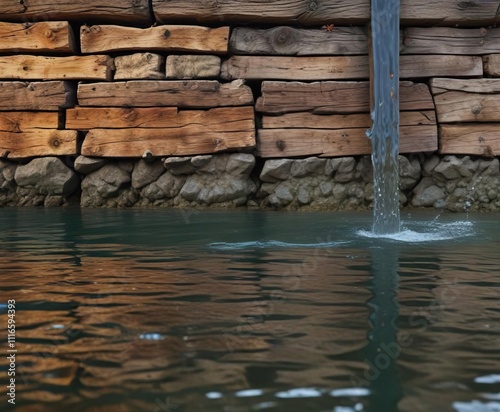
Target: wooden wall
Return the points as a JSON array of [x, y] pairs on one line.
[[283, 78]]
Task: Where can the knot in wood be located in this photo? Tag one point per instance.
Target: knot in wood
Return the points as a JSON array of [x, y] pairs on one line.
[[483, 32], [281, 145], [477, 109], [49, 34], [283, 36], [56, 143], [464, 5], [313, 6], [166, 34]]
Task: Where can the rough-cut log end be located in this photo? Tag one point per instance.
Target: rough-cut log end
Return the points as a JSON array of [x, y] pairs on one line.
[[139, 66]]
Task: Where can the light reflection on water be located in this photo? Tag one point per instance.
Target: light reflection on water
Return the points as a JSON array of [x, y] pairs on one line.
[[150, 311]]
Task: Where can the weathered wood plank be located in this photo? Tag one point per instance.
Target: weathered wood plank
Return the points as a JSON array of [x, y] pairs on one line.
[[472, 139], [290, 41], [38, 142], [193, 67], [448, 13], [465, 85], [139, 66], [256, 11], [341, 142], [412, 67], [307, 13], [344, 67], [467, 107], [445, 40], [295, 68], [53, 37], [26, 67], [50, 96], [163, 142], [143, 93], [86, 118], [127, 11], [491, 64], [96, 39], [191, 132], [305, 120], [334, 97], [16, 122]]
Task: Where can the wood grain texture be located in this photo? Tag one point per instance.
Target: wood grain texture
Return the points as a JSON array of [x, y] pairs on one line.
[[27, 67], [473, 100], [465, 85], [445, 40], [316, 13], [344, 67], [50, 96], [342, 142], [127, 11], [142, 93], [38, 142], [305, 120], [472, 139], [190, 132], [97, 39], [290, 41], [412, 67], [491, 64], [295, 68], [303, 12], [86, 118], [467, 107], [43, 37], [163, 142], [16, 122], [334, 97]]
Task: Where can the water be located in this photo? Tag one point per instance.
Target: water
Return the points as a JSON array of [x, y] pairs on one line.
[[385, 114], [123, 310]]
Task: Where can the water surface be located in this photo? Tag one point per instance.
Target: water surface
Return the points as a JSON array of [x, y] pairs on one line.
[[130, 310]]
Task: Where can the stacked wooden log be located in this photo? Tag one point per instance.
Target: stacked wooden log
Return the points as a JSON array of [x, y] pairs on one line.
[[165, 78]]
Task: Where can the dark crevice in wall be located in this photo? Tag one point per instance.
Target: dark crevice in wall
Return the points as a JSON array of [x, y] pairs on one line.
[[152, 13], [75, 27]]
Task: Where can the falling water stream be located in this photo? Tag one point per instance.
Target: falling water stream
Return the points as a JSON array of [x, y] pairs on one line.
[[384, 133]]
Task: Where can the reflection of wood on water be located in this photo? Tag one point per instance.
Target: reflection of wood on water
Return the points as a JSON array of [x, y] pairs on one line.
[[214, 315], [300, 313]]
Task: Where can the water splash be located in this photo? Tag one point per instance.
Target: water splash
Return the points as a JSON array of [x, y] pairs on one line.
[[384, 133], [431, 232], [269, 244]]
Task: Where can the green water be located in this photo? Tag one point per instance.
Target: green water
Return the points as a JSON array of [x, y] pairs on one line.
[[130, 310]]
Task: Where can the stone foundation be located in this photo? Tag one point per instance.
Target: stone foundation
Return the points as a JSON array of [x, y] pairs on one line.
[[450, 183]]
